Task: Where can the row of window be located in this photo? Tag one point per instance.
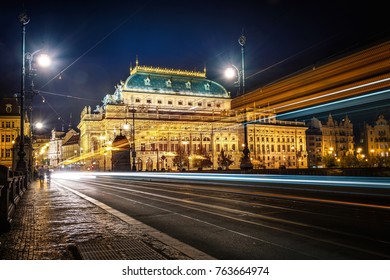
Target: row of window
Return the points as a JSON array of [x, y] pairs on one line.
[[277, 158], [251, 139], [195, 138], [272, 132], [7, 138], [266, 149], [180, 103], [378, 132], [5, 153], [168, 83], [335, 133], [194, 148], [278, 140], [8, 124], [380, 146], [316, 144]]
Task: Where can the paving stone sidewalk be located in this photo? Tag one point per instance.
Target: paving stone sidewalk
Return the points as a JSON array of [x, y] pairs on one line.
[[52, 223]]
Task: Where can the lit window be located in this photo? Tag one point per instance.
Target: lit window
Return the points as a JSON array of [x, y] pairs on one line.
[[168, 83], [188, 85], [147, 81], [207, 86]]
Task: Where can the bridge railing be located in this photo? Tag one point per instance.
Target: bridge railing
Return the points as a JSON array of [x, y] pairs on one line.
[[12, 187]]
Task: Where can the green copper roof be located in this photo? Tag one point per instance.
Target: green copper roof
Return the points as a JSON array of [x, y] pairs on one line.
[[168, 81]]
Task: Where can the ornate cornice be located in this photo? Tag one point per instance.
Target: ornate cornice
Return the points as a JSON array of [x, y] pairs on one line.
[[167, 71]]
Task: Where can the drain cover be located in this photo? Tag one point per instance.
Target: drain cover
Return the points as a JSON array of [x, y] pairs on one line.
[[118, 250]]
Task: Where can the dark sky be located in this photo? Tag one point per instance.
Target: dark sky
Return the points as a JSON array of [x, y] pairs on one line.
[[93, 44]]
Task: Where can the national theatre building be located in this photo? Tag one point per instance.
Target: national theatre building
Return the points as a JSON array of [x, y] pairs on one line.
[[166, 119]]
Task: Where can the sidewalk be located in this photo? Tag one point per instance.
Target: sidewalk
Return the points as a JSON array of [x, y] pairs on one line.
[[53, 223]]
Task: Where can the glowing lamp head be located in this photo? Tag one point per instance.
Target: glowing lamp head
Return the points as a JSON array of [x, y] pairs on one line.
[[39, 125], [230, 73], [43, 60]]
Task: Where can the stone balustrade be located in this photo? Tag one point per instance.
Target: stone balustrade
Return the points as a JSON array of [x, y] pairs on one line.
[[13, 185]]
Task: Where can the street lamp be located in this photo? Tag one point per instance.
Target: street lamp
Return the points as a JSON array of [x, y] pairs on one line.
[[245, 164], [39, 125], [133, 152], [21, 164]]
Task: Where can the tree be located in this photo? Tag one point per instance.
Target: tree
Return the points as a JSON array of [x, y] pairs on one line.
[[181, 159], [202, 161], [349, 161], [224, 161], [329, 161]]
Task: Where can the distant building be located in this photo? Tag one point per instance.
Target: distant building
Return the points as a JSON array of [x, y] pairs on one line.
[[41, 150], [71, 150], [10, 131], [377, 138], [274, 143], [62, 146], [329, 142]]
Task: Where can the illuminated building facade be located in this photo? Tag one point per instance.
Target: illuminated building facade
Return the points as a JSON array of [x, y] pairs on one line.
[[10, 130], [178, 119], [274, 143], [63, 146], [71, 149], [330, 142], [378, 138], [41, 150]]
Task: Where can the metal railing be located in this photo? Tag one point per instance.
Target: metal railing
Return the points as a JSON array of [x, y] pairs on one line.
[[13, 185]]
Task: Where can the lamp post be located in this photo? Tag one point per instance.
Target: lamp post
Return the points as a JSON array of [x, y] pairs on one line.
[[21, 165], [44, 61], [133, 152], [245, 164]]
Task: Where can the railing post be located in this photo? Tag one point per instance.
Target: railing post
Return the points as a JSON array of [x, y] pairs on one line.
[[20, 180], [7, 206]]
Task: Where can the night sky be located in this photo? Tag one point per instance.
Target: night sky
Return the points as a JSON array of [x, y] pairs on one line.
[[93, 44]]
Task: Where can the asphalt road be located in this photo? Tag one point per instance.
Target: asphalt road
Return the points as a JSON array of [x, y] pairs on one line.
[[253, 216]]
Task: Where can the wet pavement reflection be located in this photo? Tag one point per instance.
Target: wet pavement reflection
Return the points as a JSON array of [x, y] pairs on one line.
[[51, 223]]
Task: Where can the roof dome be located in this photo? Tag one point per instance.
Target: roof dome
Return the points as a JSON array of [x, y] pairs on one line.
[[169, 81]]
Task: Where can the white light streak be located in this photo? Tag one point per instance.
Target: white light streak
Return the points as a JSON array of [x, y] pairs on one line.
[[338, 102], [283, 179]]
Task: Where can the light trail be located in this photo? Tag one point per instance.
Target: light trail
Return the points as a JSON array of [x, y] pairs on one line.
[[317, 180], [165, 201], [339, 103], [336, 92], [228, 213]]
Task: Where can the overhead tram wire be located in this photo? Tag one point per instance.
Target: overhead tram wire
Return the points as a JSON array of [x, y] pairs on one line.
[[54, 110], [40, 92], [286, 59], [94, 46], [80, 57]]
